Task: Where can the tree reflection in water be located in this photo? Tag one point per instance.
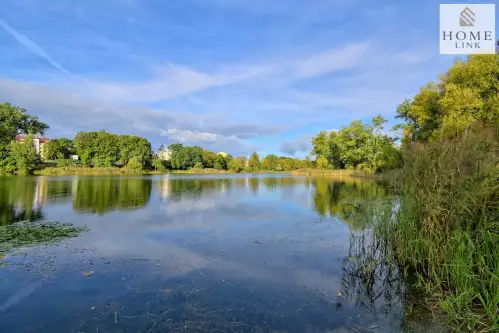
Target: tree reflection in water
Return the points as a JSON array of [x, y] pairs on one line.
[[21, 199], [101, 195]]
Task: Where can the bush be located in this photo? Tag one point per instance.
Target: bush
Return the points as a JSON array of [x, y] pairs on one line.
[[235, 166], [217, 166], [321, 163], [134, 164], [158, 165], [198, 165]]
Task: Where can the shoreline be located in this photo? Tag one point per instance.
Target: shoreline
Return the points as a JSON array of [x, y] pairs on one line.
[[81, 171]]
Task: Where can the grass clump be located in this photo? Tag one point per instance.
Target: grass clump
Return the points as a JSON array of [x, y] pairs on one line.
[[447, 226], [28, 234]]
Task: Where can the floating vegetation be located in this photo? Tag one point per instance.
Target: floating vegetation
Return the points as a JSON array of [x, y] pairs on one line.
[[29, 234]]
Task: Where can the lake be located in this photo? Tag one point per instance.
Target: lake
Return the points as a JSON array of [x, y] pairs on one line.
[[198, 253]]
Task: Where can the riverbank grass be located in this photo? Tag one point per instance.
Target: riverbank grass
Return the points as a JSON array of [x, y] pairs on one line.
[[447, 226], [333, 173]]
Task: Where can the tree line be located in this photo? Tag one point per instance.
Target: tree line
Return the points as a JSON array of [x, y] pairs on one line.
[[101, 149], [358, 146], [185, 157]]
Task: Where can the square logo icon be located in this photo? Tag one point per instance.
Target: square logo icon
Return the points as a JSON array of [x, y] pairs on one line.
[[467, 29]]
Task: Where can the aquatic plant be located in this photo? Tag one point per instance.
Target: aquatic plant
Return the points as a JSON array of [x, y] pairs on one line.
[[29, 234]]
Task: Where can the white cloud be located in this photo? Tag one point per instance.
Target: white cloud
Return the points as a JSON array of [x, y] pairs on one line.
[[170, 81], [174, 80], [346, 57], [32, 46], [183, 136]]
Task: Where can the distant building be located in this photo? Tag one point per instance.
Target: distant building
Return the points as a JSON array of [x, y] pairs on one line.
[[38, 142], [165, 155], [74, 157]]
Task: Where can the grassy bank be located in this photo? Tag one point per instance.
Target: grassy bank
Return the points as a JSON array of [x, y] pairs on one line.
[[333, 173], [82, 171], [447, 226], [209, 170], [199, 171], [69, 171]]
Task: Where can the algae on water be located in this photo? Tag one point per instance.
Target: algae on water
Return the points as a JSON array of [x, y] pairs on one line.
[[29, 234]]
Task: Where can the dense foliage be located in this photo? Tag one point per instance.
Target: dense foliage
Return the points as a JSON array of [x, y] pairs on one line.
[[103, 149], [468, 93], [15, 121], [357, 146], [58, 149], [284, 163]]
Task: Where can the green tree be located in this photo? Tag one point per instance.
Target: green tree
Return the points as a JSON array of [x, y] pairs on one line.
[[15, 121], [158, 164], [269, 162], [103, 149], [84, 143], [228, 158], [321, 163], [254, 161], [218, 166], [235, 165], [134, 146], [466, 94], [185, 157], [60, 148], [308, 163], [134, 164], [320, 145], [220, 162], [357, 146], [24, 154], [208, 158]]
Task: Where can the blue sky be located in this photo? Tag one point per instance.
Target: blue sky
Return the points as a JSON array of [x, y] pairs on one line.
[[228, 75]]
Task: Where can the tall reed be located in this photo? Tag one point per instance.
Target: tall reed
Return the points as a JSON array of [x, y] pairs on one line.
[[447, 225]]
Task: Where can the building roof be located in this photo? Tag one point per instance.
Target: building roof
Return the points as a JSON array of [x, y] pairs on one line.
[[41, 139]]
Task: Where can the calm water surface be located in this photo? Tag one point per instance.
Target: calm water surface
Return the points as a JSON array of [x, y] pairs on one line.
[[229, 253]]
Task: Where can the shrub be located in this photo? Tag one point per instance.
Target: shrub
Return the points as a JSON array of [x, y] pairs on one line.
[[158, 165], [64, 163], [235, 166], [198, 165], [134, 164], [321, 163]]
